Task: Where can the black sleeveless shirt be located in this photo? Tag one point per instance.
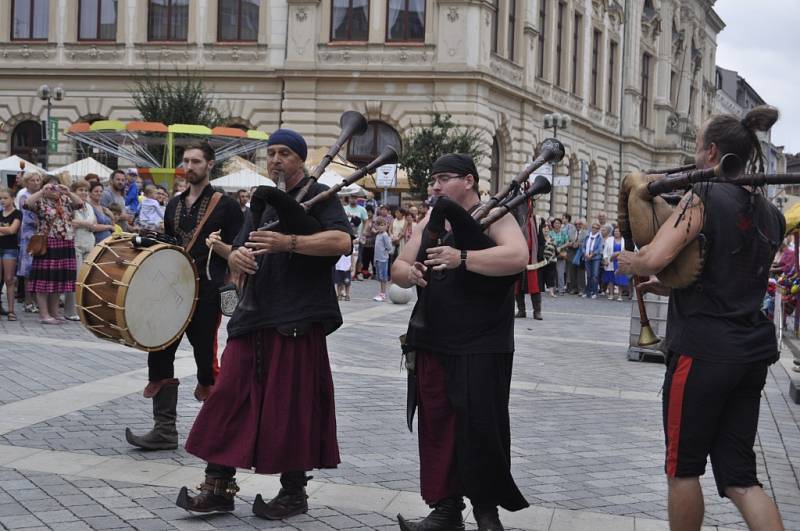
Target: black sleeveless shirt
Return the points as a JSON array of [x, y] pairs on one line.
[[467, 313], [719, 318]]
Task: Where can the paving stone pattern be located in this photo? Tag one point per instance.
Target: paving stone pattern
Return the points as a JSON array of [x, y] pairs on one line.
[[569, 450]]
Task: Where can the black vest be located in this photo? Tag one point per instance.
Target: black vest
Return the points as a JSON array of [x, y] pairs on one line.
[[719, 318], [467, 313]]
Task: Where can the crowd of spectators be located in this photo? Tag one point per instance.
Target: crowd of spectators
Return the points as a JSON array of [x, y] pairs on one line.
[[72, 220], [580, 260]]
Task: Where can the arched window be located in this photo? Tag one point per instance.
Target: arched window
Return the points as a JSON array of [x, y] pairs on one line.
[[495, 167], [350, 20], [362, 149], [84, 150], [27, 142]]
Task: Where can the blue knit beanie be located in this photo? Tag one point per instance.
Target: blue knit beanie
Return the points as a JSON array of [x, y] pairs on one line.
[[290, 139]]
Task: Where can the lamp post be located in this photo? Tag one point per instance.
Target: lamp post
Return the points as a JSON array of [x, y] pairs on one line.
[[48, 95], [555, 121]]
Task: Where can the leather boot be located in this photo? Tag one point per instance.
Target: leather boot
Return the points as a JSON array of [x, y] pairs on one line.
[[520, 298], [446, 516], [536, 301], [216, 495], [164, 435], [290, 501], [487, 518]]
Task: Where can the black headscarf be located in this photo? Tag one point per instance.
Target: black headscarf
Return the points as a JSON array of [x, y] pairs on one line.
[[458, 163]]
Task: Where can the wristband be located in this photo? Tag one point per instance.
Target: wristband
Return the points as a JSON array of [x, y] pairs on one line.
[[293, 245], [463, 264]]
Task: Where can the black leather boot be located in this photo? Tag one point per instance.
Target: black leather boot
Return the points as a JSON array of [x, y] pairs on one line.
[[446, 516], [164, 435], [520, 298], [290, 501], [536, 302], [487, 518], [216, 495]]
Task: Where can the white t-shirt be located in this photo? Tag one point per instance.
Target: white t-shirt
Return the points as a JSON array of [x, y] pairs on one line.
[[344, 263]]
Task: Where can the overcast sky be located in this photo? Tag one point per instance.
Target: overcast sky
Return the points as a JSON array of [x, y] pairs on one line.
[[761, 41]]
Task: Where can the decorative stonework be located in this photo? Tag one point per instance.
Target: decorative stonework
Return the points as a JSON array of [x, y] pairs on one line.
[[94, 52], [233, 54], [166, 53], [506, 70], [301, 14], [375, 56], [452, 14], [27, 52], [651, 26]]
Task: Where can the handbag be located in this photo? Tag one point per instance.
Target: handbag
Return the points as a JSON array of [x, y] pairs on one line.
[[37, 245]]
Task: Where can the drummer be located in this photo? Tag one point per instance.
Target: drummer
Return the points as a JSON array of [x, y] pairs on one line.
[[202, 208]]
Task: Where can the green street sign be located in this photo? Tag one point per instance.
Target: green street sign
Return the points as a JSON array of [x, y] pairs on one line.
[[52, 135]]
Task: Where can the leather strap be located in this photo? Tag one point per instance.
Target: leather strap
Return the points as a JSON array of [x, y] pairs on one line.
[[209, 209]]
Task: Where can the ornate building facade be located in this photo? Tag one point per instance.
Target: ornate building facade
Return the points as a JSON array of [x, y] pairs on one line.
[[636, 77]]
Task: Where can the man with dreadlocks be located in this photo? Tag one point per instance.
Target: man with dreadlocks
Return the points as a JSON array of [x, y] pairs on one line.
[[719, 342]]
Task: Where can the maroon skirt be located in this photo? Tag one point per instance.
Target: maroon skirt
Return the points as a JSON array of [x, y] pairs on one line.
[[282, 422]]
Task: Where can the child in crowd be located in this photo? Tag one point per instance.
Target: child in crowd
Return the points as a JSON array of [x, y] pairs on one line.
[[151, 216], [116, 214], [355, 221], [383, 250], [341, 276], [10, 223]]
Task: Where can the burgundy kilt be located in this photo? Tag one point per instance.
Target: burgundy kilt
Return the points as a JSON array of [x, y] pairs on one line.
[[286, 421]]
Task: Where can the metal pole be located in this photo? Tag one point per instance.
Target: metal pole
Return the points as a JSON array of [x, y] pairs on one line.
[[553, 175], [47, 136]]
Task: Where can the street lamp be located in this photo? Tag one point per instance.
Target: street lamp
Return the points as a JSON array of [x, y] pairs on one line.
[[45, 94], [555, 121]]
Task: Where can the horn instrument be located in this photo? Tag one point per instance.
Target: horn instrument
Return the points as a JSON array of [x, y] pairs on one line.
[[468, 234], [351, 123], [667, 171], [552, 151]]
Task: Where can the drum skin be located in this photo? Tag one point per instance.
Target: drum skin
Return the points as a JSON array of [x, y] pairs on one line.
[[141, 297]]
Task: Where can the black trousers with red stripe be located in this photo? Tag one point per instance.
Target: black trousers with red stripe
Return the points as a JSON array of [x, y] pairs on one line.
[[711, 409], [202, 334]]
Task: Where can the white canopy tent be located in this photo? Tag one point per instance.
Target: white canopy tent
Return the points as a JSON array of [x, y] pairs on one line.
[[10, 167], [331, 178], [242, 180], [80, 168]]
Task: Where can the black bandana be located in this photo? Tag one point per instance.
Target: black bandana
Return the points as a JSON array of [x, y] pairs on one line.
[[458, 163]]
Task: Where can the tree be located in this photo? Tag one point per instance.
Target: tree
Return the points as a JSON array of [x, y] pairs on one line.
[[178, 97], [424, 144]]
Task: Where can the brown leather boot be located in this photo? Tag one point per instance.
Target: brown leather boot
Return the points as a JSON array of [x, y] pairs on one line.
[[487, 518], [164, 435], [216, 495], [446, 516], [290, 501]]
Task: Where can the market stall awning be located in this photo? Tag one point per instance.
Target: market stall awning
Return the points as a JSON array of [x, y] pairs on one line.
[[80, 168], [242, 179]]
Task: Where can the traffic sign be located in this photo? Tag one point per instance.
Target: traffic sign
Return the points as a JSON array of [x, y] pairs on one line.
[[386, 176]]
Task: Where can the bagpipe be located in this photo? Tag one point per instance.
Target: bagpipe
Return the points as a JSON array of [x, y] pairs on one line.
[[645, 204], [291, 214], [468, 229]]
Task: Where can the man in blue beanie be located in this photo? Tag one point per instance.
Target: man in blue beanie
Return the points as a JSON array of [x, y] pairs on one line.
[[273, 406]]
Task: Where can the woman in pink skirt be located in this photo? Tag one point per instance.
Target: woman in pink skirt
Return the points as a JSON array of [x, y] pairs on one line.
[[54, 272]]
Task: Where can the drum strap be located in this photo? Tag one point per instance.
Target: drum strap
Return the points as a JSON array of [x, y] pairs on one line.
[[209, 209]]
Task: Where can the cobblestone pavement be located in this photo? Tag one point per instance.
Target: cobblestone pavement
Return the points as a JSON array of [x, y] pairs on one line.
[[587, 445]]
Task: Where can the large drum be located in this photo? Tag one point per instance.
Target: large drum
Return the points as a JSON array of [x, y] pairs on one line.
[[142, 297]]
